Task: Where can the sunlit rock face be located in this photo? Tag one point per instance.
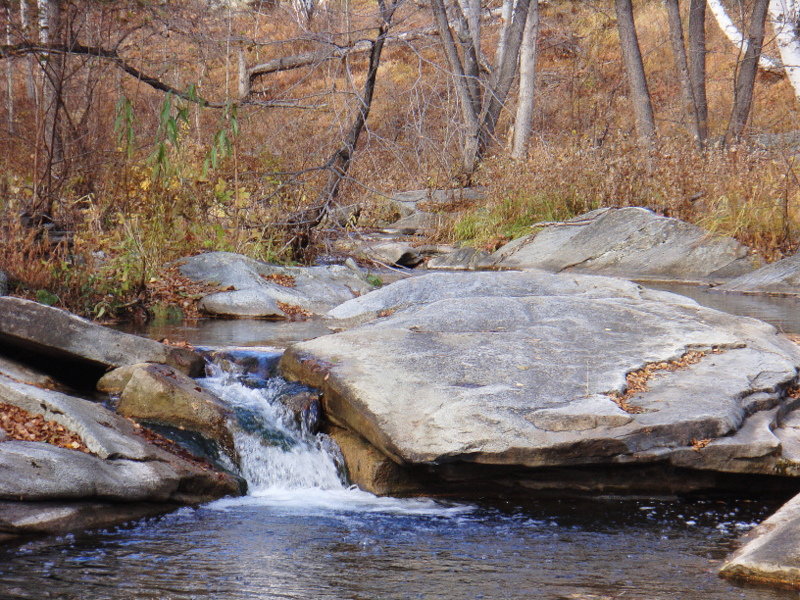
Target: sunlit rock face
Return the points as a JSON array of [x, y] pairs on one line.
[[536, 370], [629, 242]]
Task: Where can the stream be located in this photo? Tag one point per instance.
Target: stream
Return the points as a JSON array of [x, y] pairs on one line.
[[303, 533]]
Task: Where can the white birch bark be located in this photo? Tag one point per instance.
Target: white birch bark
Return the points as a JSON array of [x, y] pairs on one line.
[[783, 16], [527, 84], [726, 24]]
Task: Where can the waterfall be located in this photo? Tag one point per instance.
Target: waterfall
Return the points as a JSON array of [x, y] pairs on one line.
[[284, 462]]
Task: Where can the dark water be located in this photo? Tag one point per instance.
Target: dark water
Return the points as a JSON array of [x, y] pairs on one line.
[[649, 550]]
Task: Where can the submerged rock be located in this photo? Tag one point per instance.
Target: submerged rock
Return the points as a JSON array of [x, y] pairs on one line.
[[629, 242], [49, 333], [780, 278], [769, 555], [261, 290], [535, 370]]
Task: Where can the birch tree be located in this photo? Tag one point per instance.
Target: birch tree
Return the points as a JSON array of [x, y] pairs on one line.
[[527, 84], [746, 77], [783, 16], [482, 93], [736, 37]]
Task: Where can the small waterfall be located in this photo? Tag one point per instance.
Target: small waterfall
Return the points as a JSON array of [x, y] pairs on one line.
[[275, 452], [285, 464]]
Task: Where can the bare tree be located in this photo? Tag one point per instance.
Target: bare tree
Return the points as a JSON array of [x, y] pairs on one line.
[[746, 77], [634, 69], [527, 84], [481, 92], [697, 65], [682, 67], [9, 76]]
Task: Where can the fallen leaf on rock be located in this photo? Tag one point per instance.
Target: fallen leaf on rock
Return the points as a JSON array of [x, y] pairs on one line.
[[23, 426]]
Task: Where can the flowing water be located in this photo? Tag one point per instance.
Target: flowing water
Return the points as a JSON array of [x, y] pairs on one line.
[[303, 533]]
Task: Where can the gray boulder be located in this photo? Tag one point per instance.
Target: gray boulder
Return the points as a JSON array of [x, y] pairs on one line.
[[55, 333], [781, 278], [261, 290], [463, 259], [769, 554], [160, 395], [533, 370], [634, 243], [123, 465]]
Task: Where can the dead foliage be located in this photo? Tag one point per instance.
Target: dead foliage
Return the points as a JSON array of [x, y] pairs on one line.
[[281, 279], [636, 381], [24, 426], [385, 313], [172, 288], [699, 444], [294, 312]]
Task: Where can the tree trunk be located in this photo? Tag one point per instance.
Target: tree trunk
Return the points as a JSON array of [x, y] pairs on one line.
[[339, 162], [24, 19], [9, 76], [766, 63], [471, 152], [634, 68], [527, 84], [746, 78], [697, 65], [784, 19], [682, 66], [503, 77]]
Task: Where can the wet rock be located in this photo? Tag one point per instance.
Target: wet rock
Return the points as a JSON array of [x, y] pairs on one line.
[[629, 242], [370, 469], [769, 555], [28, 518], [51, 333], [160, 395], [780, 278], [261, 290], [304, 405], [465, 259], [535, 370]]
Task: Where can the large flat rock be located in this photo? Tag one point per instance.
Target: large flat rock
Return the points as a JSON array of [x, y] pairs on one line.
[[771, 552], [780, 278], [531, 370], [55, 333], [634, 243], [261, 290]]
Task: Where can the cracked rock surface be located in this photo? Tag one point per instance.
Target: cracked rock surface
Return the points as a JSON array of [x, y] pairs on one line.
[[522, 369], [629, 242]]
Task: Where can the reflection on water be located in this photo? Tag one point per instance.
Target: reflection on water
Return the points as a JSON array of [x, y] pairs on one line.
[[588, 549], [783, 313]]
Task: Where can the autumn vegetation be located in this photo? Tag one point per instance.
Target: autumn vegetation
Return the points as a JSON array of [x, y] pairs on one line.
[[171, 142]]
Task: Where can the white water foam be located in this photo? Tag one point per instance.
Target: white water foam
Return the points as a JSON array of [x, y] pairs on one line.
[[289, 469]]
